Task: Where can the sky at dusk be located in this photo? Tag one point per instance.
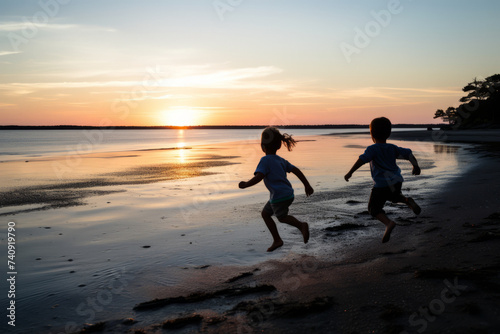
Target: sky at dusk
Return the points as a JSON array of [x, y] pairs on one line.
[[240, 62]]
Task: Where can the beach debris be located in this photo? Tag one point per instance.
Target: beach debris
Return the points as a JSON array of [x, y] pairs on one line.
[[202, 296], [182, 322], [140, 331], [240, 276], [215, 320], [92, 328], [202, 267], [129, 321]]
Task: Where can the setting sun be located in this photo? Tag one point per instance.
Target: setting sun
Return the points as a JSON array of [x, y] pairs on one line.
[[180, 116]]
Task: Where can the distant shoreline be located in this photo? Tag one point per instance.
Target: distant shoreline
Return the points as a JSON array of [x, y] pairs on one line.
[[483, 136], [203, 127]]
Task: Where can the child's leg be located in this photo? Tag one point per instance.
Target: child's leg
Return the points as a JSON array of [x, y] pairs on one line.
[[376, 203], [410, 202], [303, 227], [400, 198], [271, 225], [389, 226], [413, 206]]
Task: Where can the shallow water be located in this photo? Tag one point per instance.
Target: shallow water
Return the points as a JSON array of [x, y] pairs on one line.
[[89, 263]]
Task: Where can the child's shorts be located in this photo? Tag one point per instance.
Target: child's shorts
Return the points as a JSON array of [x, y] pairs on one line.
[[380, 195], [280, 209]]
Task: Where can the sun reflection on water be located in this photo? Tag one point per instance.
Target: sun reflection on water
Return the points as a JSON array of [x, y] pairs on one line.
[[181, 144]]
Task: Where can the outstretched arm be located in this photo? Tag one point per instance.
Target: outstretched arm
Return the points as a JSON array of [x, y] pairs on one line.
[[414, 162], [253, 181], [303, 179], [354, 168]]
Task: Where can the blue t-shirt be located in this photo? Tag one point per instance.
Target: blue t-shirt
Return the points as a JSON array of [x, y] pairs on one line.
[[274, 169], [382, 159]]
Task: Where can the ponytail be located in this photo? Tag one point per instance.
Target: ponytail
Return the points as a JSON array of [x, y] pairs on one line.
[[288, 141], [272, 138]]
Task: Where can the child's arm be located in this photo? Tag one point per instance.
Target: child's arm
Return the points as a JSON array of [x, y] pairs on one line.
[[253, 181], [302, 177], [354, 168], [414, 162]]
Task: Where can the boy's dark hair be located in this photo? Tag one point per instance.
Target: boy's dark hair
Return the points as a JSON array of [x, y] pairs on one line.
[[380, 128], [272, 138]]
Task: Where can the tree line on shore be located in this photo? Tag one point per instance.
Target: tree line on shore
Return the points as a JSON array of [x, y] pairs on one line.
[[480, 108]]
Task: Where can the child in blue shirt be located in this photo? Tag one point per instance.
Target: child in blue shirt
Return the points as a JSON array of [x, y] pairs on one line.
[[385, 173], [272, 169]]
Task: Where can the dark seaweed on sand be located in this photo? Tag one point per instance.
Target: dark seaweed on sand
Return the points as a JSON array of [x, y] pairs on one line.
[[243, 275], [202, 296], [93, 328], [182, 322], [279, 308]]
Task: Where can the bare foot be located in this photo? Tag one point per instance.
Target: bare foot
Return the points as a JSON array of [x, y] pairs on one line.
[[388, 230], [275, 245], [413, 206], [305, 232]]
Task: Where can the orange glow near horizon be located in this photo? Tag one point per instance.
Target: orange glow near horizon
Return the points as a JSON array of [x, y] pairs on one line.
[[180, 116]]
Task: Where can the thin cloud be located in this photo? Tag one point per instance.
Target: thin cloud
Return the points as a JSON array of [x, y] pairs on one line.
[[433, 91], [6, 53], [18, 26], [393, 93], [230, 79]]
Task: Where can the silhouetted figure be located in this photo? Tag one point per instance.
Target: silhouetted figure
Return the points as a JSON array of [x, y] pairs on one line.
[[272, 169], [385, 173]]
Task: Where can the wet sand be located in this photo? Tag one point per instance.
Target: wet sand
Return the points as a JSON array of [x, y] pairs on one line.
[[357, 285], [438, 274]]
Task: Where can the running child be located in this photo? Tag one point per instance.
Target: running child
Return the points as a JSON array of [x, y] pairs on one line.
[[385, 173], [272, 169]]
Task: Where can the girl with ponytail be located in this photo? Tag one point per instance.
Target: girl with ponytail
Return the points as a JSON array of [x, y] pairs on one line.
[[272, 169]]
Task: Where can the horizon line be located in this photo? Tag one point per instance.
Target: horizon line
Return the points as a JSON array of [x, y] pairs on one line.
[[211, 126]]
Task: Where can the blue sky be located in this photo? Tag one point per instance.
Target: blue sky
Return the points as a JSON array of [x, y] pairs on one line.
[[242, 65]]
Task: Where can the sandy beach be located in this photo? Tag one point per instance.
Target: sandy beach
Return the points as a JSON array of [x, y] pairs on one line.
[[188, 254]]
